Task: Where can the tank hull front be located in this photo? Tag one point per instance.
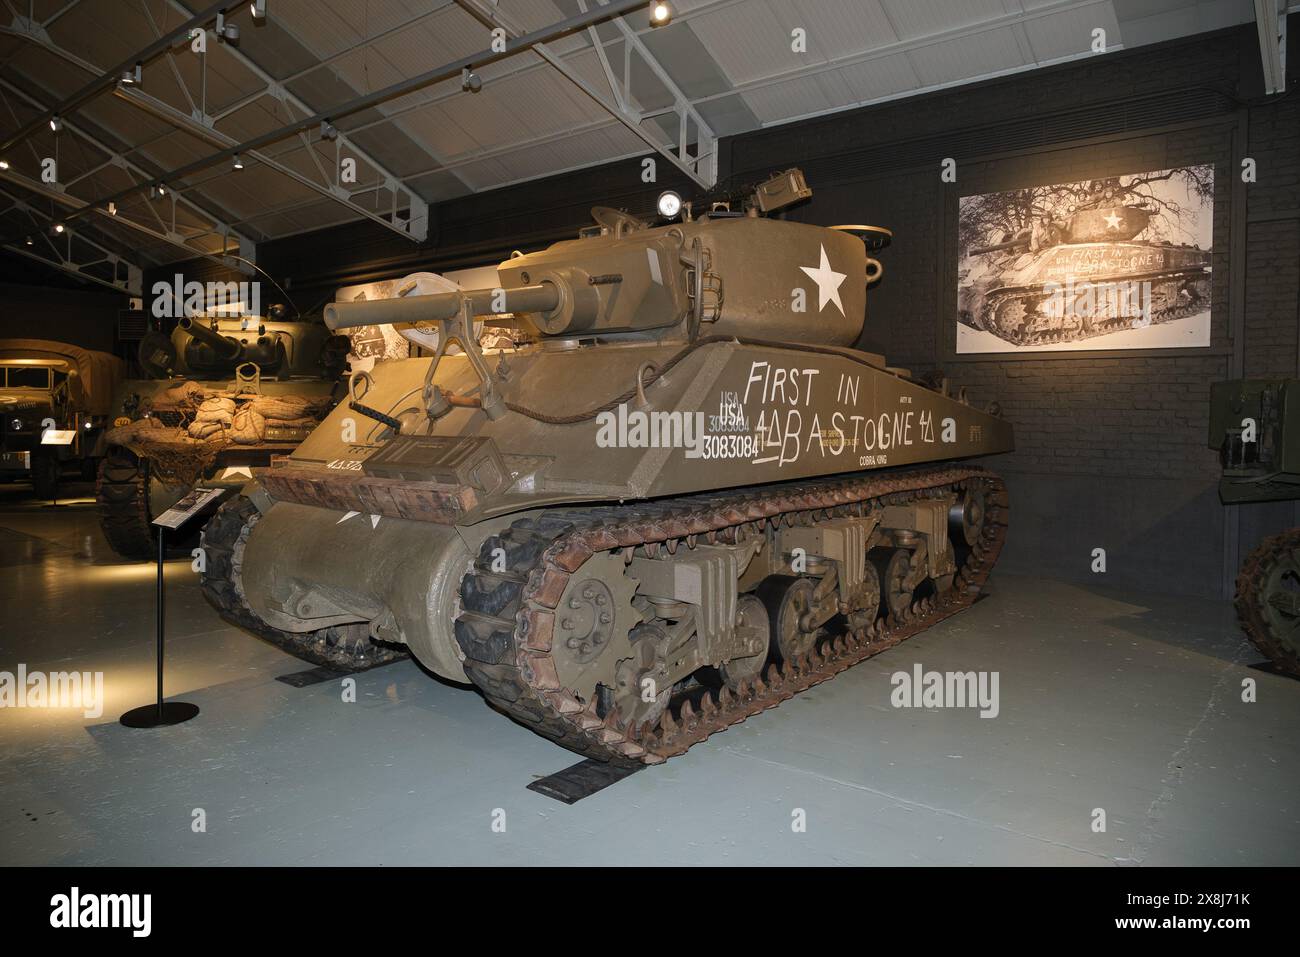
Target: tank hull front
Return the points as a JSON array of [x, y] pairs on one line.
[[360, 527], [722, 414], [304, 569]]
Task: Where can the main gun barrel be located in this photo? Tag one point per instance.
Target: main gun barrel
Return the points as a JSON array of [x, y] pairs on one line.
[[224, 346], [544, 298]]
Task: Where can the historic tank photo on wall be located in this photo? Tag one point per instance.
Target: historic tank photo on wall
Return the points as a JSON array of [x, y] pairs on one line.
[[1121, 262]]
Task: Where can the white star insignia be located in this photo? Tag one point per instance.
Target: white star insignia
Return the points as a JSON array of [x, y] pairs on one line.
[[828, 283], [237, 470], [1113, 220]]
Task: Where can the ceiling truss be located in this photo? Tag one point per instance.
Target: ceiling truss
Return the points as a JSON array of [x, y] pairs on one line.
[[1270, 20], [621, 103], [407, 213], [232, 241], [74, 253]]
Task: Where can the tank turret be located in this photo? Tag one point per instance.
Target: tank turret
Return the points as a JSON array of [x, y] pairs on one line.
[[723, 273], [280, 348]]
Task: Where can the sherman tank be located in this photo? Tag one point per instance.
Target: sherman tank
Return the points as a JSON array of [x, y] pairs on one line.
[[1255, 427], [1060, 282], [686, 499], [223, 396]]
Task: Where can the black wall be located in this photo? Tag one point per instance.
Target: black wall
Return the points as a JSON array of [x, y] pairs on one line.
[[1111, 448], [87, 318]]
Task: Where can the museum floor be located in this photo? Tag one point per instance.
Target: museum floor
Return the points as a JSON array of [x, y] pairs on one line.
[[1125, 702]]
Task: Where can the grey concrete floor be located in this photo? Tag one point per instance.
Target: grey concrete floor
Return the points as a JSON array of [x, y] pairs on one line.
[[1126, 702]]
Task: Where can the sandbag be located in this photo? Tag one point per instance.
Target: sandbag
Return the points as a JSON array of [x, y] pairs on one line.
[[248, 426], [202, 430], [284, 407]]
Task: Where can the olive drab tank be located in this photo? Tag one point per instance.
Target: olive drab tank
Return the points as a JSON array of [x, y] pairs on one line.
[[223, 395], [1255, 427], [1089, 275], [684, 499]]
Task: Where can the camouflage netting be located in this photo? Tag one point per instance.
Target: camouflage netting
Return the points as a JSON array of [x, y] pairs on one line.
[[211, 421]]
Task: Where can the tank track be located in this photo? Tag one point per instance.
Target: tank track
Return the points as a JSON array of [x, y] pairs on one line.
[[1105, 327], [122, 491], [343, 648], [1252, 600], [506, 620]]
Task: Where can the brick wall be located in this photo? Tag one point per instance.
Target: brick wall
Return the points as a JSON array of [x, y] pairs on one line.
[[1111, 449]]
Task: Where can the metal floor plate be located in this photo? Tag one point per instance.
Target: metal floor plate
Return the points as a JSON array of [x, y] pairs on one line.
[[581, 780]]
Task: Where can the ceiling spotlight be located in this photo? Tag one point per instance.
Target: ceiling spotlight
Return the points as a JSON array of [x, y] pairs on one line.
[[4, 164], [133, 77], [238, 164], [227, 31], [258, 9], [29, 240], [471, 81], [56, 124], [669, 204], [660, 13], [112, 208], [156, 190], [58, 227], [327, 130]]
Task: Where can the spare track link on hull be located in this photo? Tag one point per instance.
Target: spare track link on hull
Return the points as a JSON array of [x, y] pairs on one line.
[[344, 648], [122, 493], [506, 622], [1253, 595]]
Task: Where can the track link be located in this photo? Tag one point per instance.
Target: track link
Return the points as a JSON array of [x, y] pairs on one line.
[[344, 648], [507, 620], [122, 492], [1252, 600]]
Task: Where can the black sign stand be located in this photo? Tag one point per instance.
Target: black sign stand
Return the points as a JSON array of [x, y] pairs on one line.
[[163, 713]]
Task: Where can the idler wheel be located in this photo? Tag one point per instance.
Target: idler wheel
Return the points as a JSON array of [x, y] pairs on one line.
[[966, 518], [788, 599]]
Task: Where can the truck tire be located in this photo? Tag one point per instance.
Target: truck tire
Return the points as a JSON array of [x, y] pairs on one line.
[[45, 474]]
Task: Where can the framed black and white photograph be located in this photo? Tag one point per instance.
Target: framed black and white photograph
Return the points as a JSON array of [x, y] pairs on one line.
[[1121, 262]]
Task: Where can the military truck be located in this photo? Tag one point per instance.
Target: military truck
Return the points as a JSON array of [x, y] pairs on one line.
[[224, 395], [1255, 427], [55, 399], [687, 500]]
